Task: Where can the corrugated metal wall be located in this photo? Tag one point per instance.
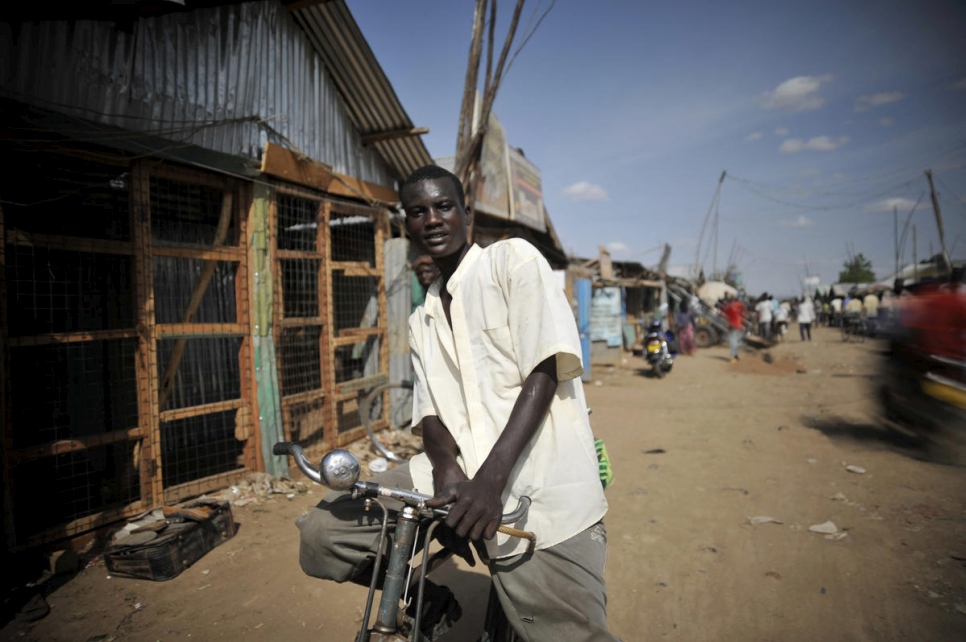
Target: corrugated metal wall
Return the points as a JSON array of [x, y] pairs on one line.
[[202, 77]]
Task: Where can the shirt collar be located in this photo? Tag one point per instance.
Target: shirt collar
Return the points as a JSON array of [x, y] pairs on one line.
[[471, 257], [433, 304]]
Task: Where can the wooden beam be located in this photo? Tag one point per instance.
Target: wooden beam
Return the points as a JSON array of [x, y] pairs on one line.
[[68, 243], [204, 409], [34, 453], [202, 253], [199, 330], [282, 163], [302, 397], [72, 337], [363, 383], [175, 494], [393, 134], [84, 524]]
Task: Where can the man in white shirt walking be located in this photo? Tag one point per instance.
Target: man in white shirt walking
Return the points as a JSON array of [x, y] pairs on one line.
[[497, 395]]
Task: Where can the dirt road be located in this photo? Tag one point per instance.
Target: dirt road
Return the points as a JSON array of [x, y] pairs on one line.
[[696, 455]]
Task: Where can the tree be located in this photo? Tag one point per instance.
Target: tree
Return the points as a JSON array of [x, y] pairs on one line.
[[858, 269]]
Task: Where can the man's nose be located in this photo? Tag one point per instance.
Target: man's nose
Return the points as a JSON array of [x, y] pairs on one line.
[[433, 216]]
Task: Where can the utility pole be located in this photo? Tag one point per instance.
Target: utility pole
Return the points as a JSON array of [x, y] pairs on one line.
[[895, 222], [714, 199], [939, 223], [915, 258]]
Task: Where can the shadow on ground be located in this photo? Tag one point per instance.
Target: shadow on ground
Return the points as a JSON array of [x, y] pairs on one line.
[[869, 435]]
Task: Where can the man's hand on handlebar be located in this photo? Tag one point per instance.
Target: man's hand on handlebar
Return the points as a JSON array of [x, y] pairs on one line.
[[475, 508]]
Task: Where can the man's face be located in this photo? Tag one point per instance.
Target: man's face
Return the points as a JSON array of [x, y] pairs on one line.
[[434, 217]]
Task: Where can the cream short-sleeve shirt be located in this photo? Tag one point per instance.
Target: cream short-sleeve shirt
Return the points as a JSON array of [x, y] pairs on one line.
[[509, 315]]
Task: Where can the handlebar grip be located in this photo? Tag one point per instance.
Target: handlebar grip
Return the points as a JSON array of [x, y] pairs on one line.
[[283, 448]]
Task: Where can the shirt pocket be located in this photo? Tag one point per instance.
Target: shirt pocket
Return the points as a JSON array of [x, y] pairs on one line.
[[498, 357]]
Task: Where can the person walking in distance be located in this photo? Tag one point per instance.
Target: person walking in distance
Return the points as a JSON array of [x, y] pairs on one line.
[[684, 327], [806, 315], [498, 400], [734, 311]]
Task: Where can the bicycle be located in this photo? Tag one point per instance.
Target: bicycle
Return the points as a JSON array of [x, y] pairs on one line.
[[340, 470]]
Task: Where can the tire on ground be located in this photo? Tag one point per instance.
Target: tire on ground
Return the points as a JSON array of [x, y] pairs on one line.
[[704, 337]]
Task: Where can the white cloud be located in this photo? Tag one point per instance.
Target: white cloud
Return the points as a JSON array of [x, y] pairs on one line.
[[795, 94], [870, 101], [801, 221], [782, 131], [811, 171], [753, 137], [889, 204], [617, 246], [584, 191], [817, 144]]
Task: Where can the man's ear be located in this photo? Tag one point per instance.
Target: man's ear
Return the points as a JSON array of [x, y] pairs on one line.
[[469, 216]]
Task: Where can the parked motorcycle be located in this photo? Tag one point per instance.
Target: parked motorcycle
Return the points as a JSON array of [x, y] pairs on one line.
[[656, 349]]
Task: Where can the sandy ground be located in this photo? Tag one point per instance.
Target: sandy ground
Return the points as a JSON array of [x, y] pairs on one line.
[[696, 455]]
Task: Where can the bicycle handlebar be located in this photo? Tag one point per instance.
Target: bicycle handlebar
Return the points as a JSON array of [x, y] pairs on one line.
[[344, 475]]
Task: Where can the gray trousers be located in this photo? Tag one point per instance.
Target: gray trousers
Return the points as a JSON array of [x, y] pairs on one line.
[[555, 595]]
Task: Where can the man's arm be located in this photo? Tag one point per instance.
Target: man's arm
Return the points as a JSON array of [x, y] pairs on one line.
[[477, 503]]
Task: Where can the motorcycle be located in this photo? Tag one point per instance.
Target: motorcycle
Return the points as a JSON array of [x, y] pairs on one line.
[[922, 382], [656, 350]]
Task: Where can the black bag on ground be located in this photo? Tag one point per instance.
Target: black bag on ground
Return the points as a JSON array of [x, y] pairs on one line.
[[185, 539]]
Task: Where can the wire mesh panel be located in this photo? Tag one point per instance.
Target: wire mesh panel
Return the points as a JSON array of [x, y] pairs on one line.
[[196, 447], [55, 490], [300, 318], [300, 366], [178, 280], [306, 422], [200, 298], [187, 212], [70, 328], [355, 301], [357, 360], [353, 238], [53, 291], [207, 371], [40, 187], [73, 391], [300, 287]]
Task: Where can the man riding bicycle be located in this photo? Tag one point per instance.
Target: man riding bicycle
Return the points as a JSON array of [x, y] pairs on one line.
[[498, 399]]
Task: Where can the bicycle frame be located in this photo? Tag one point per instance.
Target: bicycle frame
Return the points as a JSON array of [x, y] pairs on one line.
[[340, 471]]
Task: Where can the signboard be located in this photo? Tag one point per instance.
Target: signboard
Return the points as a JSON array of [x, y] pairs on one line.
[[606, 315], [526, 189], [492, 190]]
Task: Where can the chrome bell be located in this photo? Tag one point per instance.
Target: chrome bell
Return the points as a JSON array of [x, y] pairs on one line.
[[339, 470]]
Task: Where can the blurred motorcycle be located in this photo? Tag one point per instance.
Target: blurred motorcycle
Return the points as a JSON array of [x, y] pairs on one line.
[[656, 350], [922, 389]]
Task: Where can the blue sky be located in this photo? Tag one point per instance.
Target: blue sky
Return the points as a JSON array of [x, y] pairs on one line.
[[824, 114]]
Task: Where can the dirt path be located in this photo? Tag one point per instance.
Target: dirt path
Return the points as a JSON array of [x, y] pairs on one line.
[[696, 455]]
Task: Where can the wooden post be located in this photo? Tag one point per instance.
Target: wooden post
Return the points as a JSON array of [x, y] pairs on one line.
[[245, 419], [149, 460], [939, 223], [331, 431], [382, 317]]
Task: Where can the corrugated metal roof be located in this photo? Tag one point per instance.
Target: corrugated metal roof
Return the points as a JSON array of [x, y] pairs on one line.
[[206, 76], [370, 100]]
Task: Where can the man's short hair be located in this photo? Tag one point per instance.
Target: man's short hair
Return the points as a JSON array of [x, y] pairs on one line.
[[432, 172]]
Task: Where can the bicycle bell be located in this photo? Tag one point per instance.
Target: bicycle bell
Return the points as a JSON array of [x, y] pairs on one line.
[[339, 470]]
